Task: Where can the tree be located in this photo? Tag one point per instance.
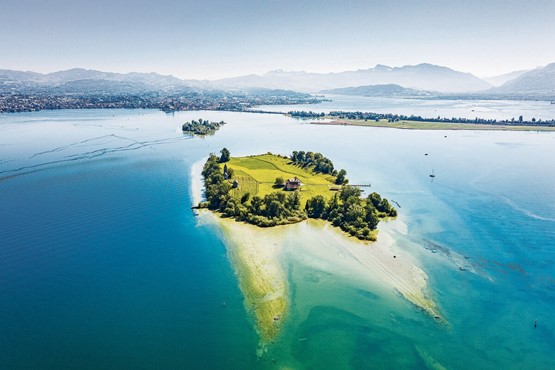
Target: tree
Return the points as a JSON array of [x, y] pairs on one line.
[[354, 212], [279, 181], [225, 155], [371, 218], [375, 199], [294, 201], [316, 206], [275, 209], [245, 197], [349, 192], [256, 205], [341, 177], [230, 172]]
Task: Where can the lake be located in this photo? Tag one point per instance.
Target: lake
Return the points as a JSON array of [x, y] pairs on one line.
[[103, 264]]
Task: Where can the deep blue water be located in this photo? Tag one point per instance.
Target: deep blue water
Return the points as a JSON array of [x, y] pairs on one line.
[[103, 265]]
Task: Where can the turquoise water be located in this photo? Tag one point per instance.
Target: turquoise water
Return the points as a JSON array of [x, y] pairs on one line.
[[103, 265]]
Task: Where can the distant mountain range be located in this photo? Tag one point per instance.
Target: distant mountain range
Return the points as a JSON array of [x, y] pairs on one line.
[[420, 77], [381, 80], [389, 90], [538, 83], [79, 80]]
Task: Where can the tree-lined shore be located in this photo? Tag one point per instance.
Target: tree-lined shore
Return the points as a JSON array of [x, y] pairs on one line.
[[370, 117]]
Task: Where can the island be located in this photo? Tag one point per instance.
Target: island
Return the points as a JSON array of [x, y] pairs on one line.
[[269, 190], [263, 203], [201, 127]]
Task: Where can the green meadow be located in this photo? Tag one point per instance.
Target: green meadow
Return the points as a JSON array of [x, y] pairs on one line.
[[257, 175]]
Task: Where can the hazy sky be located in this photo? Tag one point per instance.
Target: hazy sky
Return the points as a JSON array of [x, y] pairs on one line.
[[221, 38]]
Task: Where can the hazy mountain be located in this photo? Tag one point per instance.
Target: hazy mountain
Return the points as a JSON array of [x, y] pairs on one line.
[[377, 81], [389, 90], [90, 82], [78, 78], [9, 75], [92, 86], [537, 82], [501, 79], [421, 77]]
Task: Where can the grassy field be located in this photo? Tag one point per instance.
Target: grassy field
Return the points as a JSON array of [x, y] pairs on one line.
[[257, 174], [422, 125]]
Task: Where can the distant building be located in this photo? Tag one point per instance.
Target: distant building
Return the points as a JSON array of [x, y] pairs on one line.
[[235, 184], [293, 184]]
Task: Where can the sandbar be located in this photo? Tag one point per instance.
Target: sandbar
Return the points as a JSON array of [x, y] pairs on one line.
[[255, 255]]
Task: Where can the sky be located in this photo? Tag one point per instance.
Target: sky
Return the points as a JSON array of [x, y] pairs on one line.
[[211, 39]]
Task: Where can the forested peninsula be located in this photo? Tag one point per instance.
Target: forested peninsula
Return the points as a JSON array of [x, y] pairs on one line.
[[269, 190]]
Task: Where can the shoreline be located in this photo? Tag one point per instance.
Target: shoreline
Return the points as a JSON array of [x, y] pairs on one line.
[[429, 126], [197, 182]]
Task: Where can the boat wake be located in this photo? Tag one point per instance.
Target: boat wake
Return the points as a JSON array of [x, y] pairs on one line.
[[132, 145]]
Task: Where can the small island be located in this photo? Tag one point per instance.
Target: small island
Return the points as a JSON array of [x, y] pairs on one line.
[[260, 201], [201, 127], [270, 190]]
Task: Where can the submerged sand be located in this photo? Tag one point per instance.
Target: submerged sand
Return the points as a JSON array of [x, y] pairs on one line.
[[380, 261], [255, 254], [257, 257]]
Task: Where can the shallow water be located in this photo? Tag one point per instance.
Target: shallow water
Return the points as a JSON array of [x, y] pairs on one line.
[[102, 264]]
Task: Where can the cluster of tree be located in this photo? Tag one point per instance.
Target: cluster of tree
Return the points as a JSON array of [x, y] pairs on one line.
[[216, 188], [201, 127], [353, 214], [277, 208], [317, 161], [320, 164], [371, 116], [304, 114]]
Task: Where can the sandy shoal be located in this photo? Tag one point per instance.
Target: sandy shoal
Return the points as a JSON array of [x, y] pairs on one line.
[[256, 254], [382, 260]]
